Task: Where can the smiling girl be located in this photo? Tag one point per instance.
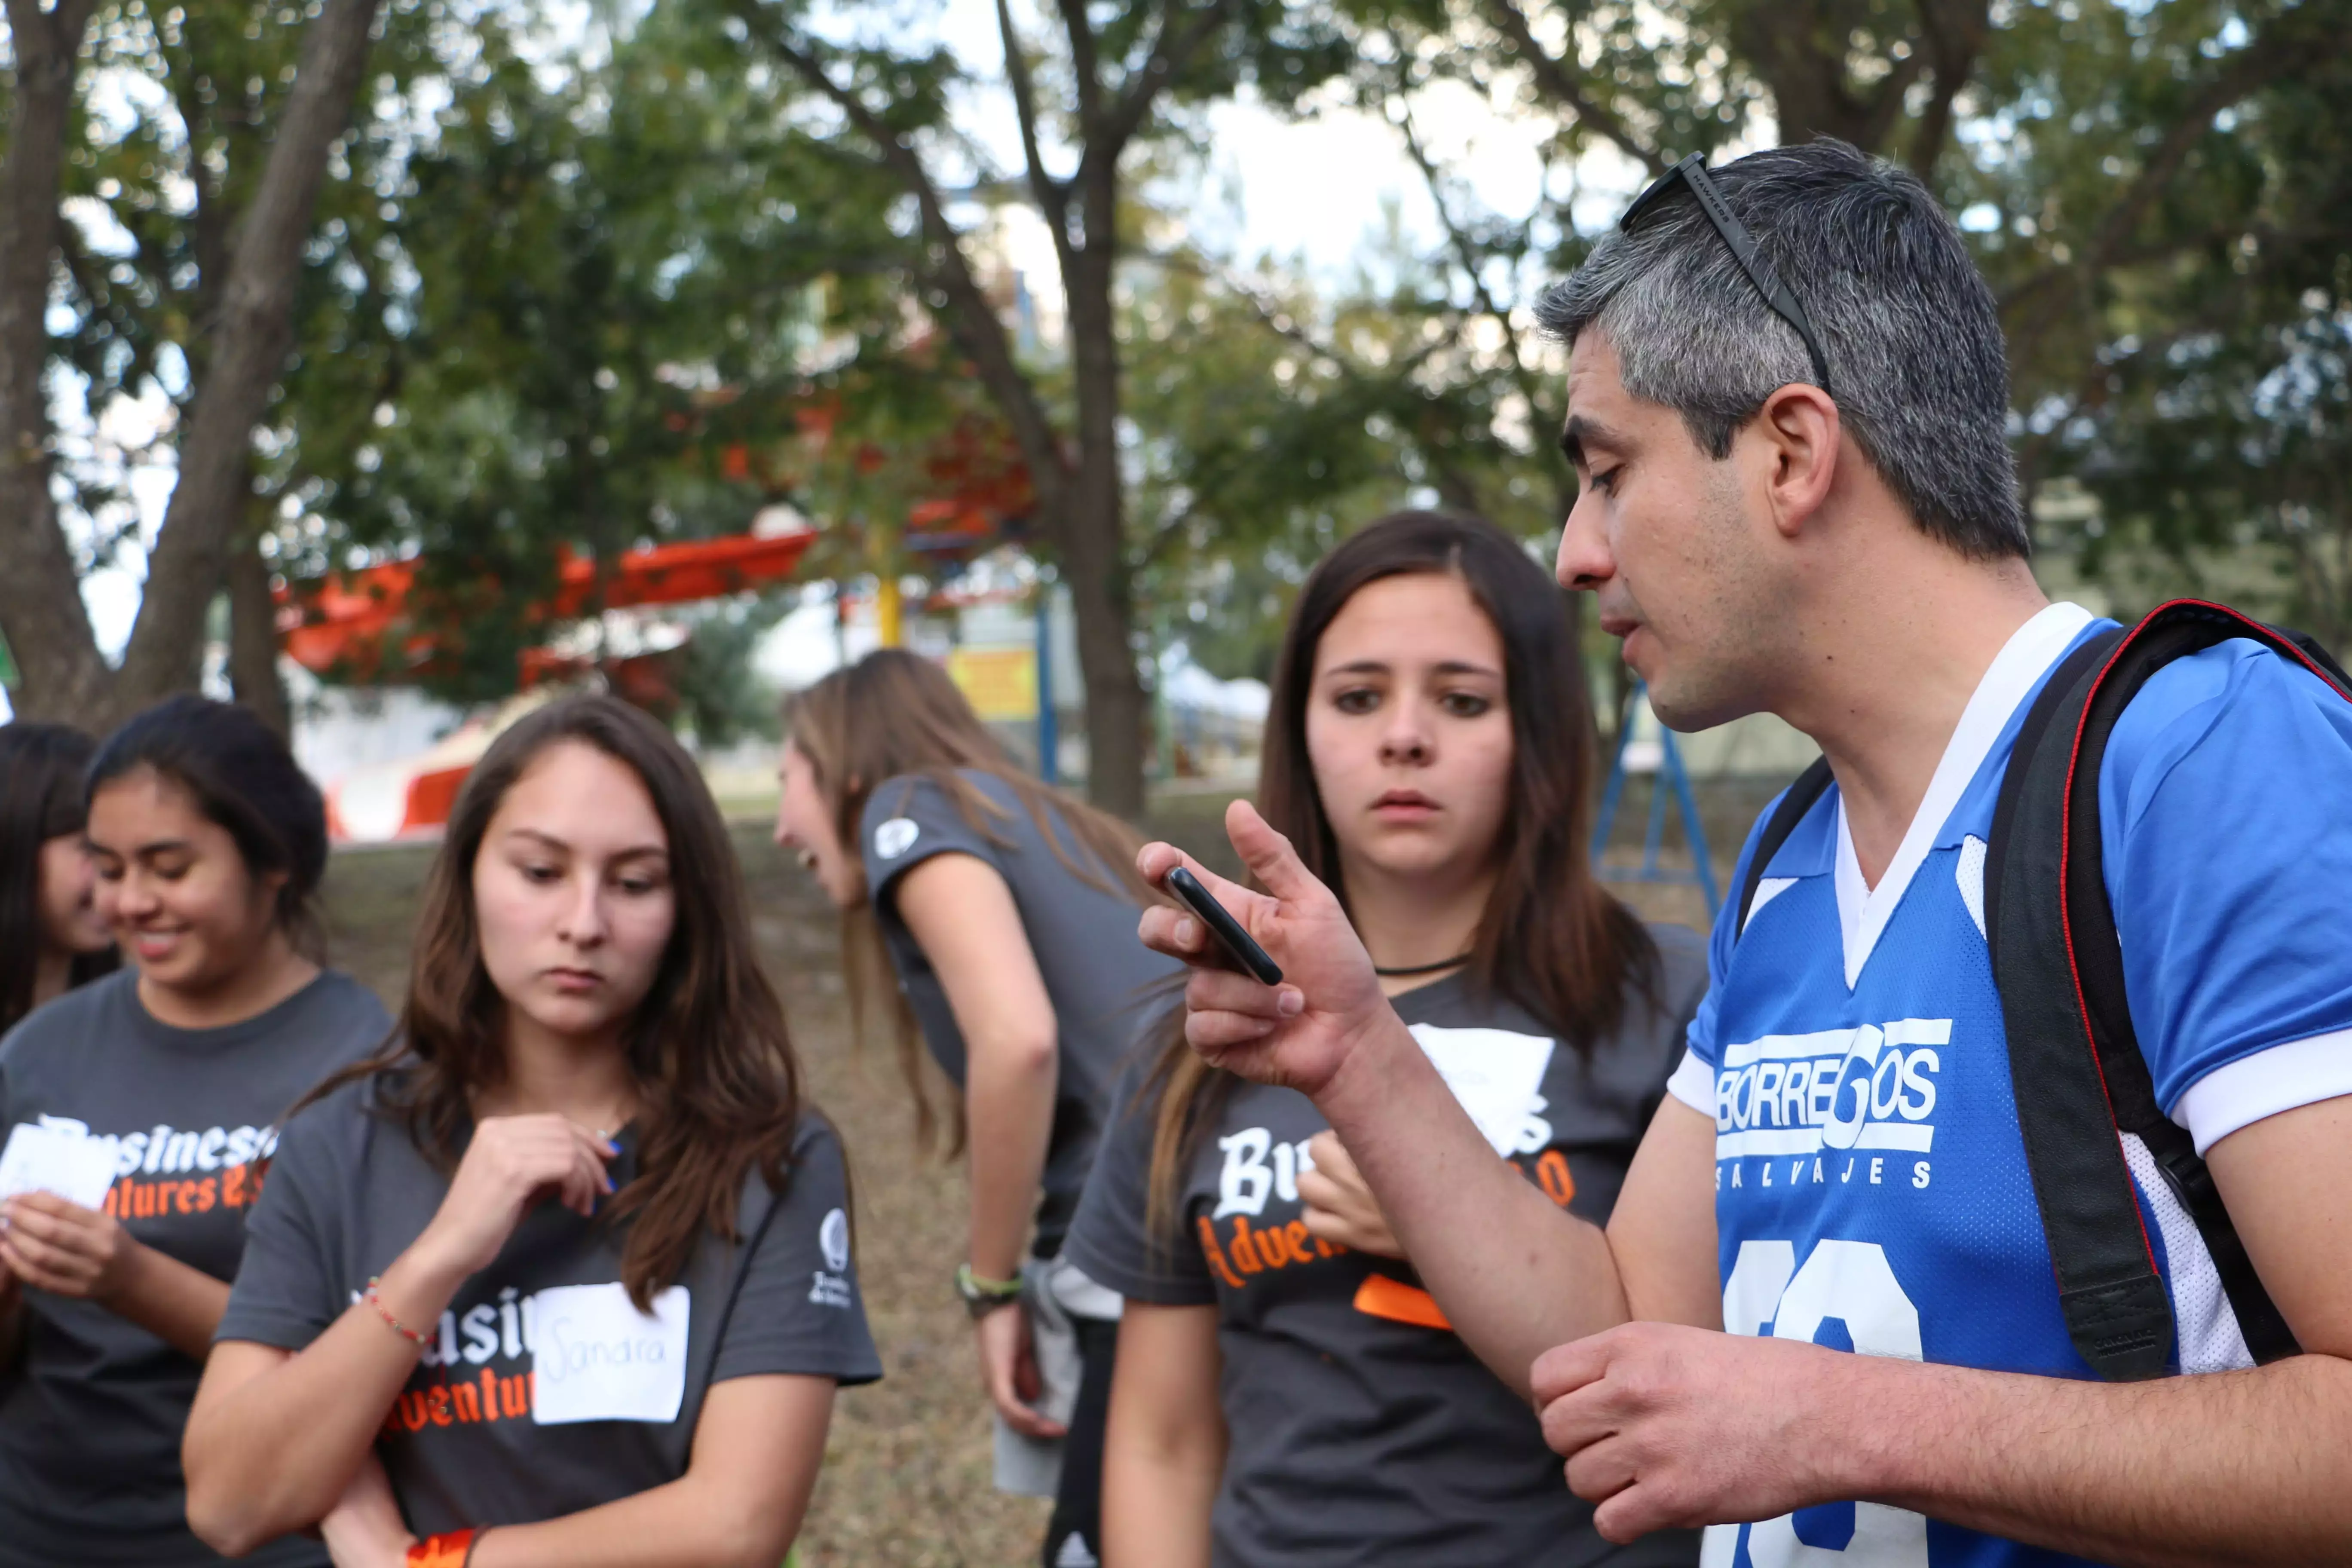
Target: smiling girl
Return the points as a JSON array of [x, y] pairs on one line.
[[570, 1257], [208, 842], [53, 936], [1285, 1392]]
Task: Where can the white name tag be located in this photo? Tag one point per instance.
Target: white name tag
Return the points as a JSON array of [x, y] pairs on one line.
[[39, 1159], [597, 1358], [1495, 1073]]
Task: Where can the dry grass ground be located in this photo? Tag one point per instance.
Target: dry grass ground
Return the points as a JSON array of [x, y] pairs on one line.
[[906, 1482]]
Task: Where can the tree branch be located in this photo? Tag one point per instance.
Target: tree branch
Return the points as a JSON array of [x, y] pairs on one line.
[[971, 319], [1465, 251], [1085, 65], [40, 601], [2293, 45], [254, 329], [1051, 195], [1552, 79], [1170, 50], [1954, 32]]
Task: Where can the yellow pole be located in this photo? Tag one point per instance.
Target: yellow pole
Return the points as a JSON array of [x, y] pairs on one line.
[[890, 610]]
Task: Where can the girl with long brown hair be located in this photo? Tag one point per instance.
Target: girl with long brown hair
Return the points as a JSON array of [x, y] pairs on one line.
[[1007, 909], [53, 935], [1285, 1392], [570, 1255]]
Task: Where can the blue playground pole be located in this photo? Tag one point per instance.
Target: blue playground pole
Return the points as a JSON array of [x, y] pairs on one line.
[[1671, 774], [1048, 737]]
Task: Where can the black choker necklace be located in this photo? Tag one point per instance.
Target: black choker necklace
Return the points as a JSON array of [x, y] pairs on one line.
[[1457, 962]]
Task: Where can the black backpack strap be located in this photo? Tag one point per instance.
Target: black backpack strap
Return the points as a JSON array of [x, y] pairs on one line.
[[2074, 1060], [1798, 800]]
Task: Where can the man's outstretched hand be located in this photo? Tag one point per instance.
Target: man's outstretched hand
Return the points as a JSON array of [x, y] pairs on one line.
[[1297, 1033]]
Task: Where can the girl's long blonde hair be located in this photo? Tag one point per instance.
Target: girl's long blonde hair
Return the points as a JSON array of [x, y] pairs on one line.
[[895, 715]]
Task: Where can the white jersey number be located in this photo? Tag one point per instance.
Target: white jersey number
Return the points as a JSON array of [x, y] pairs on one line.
[[1849, 1280]]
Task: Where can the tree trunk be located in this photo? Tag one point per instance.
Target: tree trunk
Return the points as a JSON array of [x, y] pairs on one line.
[[1094, 542], [253, 633], [249, 343], [64, 677]]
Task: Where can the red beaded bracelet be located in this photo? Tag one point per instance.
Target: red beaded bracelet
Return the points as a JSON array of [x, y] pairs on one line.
[[397, 1327]]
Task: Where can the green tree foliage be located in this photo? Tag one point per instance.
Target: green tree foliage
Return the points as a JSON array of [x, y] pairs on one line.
[[2214, 420], [2157, 192], [587, 293], [1115, 82], [161, 176]]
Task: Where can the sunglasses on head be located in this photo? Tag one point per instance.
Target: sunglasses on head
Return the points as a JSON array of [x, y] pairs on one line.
[[1692, 172]]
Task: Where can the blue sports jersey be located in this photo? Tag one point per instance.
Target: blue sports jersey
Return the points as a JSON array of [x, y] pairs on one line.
[[1871, 1189]]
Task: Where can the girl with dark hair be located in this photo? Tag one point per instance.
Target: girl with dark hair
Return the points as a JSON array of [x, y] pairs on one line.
[[208, 842], [1286, 1391], [52, 934], [1007, 909], [570, 1255]]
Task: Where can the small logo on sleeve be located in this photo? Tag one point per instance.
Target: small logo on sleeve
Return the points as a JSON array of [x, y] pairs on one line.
[[833, 1236], [829, 1286], [895, 838]]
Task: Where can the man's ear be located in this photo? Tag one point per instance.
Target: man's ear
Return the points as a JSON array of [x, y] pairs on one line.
[[1801, 427]]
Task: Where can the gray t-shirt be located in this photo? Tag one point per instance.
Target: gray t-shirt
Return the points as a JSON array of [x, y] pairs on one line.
[[462, 1442], [1359, 1431], [91, 1422], [1103, 982]]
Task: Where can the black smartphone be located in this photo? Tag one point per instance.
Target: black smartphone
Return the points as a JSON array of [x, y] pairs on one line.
[[1239, 943]]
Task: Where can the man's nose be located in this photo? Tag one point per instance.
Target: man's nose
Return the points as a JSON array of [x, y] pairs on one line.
[[1584, 560]]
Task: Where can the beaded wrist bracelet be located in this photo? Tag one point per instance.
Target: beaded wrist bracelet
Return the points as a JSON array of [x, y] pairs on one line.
[[395, 1324]]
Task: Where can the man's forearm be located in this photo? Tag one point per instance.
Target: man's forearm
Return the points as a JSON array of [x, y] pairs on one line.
[[2251, 1468], [1515, 1273]]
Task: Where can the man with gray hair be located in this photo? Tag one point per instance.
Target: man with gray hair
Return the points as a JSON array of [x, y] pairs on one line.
[[1787, 401]]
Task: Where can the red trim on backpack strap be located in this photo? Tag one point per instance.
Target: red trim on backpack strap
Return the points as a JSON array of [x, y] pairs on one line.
[[2066, 913], [2270, 641]]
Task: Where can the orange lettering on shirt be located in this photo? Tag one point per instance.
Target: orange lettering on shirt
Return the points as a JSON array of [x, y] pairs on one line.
[[207, 1193], [436, 1401], [1215, 1254], [1245, 1254], [1553, 1175], [233, 1182], [1381, 1297], [466, 1401], [445, 1550], [514, 1396]]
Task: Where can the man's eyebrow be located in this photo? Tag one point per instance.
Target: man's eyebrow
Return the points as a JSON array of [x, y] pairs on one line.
[[1581, 430]]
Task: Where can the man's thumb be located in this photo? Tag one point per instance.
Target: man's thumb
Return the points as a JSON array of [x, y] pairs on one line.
[[1267, 854]]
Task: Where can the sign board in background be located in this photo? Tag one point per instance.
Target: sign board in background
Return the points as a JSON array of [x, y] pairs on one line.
[[1001, 683]]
